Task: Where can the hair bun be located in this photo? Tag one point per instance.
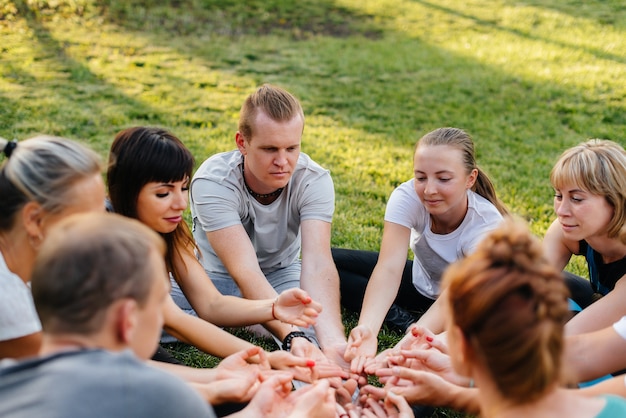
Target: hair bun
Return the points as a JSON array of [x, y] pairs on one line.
[[9, 147]]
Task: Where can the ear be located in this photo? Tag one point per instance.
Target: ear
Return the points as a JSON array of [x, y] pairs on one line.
[[471, 179], [32, 218], [240, 140], [126, 320], [459, 351]]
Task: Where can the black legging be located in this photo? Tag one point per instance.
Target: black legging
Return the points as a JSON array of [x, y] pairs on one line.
[[355, 268]]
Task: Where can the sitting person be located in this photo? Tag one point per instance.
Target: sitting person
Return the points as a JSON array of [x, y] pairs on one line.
[[441, 215], [99, 285], [508, 306], [590, 204], [148, 178], [42, 180], [262, 218]]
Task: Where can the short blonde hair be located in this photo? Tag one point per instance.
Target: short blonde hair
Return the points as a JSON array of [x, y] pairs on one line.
[[278, 104], [597, 166]]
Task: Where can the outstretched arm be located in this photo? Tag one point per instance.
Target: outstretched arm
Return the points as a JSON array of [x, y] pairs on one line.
[[319, 277], [591, 355], [232, 245], [200, 333], [294, 306], [381, 291]]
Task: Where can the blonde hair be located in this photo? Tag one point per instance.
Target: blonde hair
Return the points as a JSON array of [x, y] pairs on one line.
[[459, 139], [597, 166], [278, 104]]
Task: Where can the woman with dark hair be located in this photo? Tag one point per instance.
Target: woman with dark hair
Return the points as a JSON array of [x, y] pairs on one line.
[[148, 177]]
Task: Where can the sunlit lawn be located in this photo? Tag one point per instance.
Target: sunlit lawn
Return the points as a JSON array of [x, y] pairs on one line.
[[526, 78]]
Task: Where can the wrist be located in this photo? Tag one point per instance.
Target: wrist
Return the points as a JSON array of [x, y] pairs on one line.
[[274, 317], [294, 334]]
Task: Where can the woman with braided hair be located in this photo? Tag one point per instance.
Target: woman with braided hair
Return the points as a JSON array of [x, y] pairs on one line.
[[508, 306]]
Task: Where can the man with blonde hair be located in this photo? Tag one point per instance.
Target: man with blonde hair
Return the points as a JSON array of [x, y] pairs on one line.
[[262, 218]]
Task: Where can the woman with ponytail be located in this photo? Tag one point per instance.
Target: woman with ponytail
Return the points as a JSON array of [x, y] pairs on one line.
[[441, 215], [42, 180]]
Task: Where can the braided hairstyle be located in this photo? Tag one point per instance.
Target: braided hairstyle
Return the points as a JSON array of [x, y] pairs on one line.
[[511, 306]]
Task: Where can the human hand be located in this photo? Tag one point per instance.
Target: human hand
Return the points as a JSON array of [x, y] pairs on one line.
[[239, 388], [303, 348], [362, 346], [393, 406], [381, 361], [270, 399], [302, 368], [240, 362], [419, 387], [275, 398], [295, 306], [430, 360], [419, 336], [314, 401]]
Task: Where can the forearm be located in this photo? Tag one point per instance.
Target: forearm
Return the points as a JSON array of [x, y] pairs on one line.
[[434, 317], [258, 292], [595, 354], [323, 286], [614, 386], [205, 336], [380, 293], [232, 311], [464, 399]]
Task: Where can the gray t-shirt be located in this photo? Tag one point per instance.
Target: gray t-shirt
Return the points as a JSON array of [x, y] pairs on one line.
[[95, 384], [219, 199]]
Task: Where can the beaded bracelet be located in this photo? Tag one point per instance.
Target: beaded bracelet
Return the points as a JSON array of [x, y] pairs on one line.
[[291, 336]]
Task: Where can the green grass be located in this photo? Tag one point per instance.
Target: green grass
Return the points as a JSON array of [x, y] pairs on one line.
[[526, 78]]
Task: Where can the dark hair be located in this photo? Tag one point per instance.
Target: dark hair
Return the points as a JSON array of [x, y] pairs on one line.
[[142, 155], [275, 102], [86, 263], [43, 169], [459, 139], [510, 303]]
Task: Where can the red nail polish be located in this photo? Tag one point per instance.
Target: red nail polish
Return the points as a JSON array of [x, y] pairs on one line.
[[429, 339], [310, 363]]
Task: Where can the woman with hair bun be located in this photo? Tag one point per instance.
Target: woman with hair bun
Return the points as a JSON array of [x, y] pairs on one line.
[[508, 306], [42, 180]]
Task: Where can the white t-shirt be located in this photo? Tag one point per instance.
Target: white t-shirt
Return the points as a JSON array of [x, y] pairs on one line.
[[219, 199], [434, 252], [620, 327], [18, 316]]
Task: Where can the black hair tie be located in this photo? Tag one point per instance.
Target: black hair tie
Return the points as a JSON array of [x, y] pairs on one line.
[[9, 147]]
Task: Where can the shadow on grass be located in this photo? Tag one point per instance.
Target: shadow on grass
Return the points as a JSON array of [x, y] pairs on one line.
[[494, 24]]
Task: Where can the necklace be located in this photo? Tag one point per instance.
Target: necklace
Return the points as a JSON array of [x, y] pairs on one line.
[[262, 196], [259, 195]]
